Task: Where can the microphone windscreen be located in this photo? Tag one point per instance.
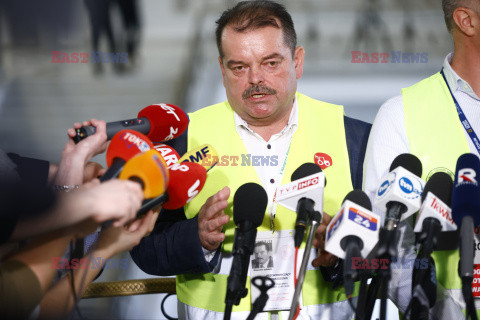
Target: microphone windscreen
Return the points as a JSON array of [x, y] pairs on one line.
[[166, 121], [409, 162], [186, 181], [150, 170], [126, 144], [305, 170], [466, 192], [169, 154], [249, 204], [440, 184], [359, 197]]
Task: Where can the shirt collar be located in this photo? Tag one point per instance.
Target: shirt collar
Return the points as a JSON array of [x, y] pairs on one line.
[[453, 79], [291, 124]]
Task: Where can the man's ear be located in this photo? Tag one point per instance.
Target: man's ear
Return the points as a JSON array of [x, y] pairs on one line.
[[466, 21], [298, 60]]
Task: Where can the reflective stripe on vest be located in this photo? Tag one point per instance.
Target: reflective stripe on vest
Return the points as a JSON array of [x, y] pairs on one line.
[[436, 137], [321, 129]]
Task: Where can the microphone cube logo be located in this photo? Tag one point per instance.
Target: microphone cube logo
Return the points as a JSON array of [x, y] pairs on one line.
[[362, 218], [386, 184], [334, 224], [406, 185], [466, 176]]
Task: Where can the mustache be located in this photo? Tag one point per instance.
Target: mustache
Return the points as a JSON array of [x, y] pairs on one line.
[[257, 89]]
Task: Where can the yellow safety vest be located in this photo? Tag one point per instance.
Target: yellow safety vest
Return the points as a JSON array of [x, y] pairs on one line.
[[321, 129], [436, 137]]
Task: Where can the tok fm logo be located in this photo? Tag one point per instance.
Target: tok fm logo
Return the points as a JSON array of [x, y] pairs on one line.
[[466, 175], [323, 160]]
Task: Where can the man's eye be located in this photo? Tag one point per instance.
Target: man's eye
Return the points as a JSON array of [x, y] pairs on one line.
[[273, 63], [238, 68]]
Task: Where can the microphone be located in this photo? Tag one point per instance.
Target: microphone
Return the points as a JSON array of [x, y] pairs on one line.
[[249, 205], [399, 193], [352, 233], [160, 122], [124, 145], [435, 215], [303, 195], [150, 171], [205, 155], [169, 154], [186, 180], [465, 209]]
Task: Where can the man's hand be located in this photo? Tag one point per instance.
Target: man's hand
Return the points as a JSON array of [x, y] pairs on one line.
[[324, 259], [212, 218]]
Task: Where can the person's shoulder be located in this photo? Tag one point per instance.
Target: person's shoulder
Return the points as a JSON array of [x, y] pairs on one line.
[[391, 109], [218, 107]]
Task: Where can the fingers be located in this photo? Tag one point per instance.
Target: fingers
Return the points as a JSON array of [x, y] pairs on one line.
[[217, 224], [324, 259]]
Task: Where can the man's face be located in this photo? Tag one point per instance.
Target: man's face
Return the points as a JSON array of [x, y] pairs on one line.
[[261, 254], [259, 73]]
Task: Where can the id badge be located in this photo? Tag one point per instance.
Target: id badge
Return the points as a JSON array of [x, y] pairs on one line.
[[273, 257]]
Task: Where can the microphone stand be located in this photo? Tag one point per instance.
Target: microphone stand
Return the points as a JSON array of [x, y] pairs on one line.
[[385, 249], [314, 223]]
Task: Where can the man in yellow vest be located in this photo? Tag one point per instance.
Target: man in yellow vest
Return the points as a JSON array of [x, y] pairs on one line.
[[437, 120], [262, 134]]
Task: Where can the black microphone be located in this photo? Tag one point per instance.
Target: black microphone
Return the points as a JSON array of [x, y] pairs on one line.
[[353, 244], [465, 212], [396, 208], [305, 206], [249, 205]]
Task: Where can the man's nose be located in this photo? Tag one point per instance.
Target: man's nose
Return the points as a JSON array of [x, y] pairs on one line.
[[255, 75]]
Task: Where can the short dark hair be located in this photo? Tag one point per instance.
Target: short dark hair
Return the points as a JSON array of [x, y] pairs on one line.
[[449, 7], [251, 15], [268, 246]]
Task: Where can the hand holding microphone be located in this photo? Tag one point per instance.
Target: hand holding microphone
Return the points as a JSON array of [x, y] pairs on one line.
[[160, 122]]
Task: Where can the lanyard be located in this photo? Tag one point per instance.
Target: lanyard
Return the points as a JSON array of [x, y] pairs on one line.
[[273, 207], [463, 118]]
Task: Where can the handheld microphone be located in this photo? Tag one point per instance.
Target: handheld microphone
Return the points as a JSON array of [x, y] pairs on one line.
[[352, 233], [400, 191], [249, 205], [169, 154], [303, 195], [160, 122], [204, 155], [149, 170], [124, 145], [186, 180]]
